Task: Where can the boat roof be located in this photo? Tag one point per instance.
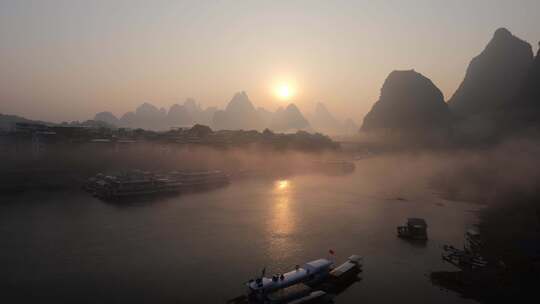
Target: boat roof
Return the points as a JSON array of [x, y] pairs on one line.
[[415, 221], [473, 232], [317, 264]]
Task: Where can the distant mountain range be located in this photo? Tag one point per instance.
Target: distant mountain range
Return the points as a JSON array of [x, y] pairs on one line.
[[499, 94], [239, 113]]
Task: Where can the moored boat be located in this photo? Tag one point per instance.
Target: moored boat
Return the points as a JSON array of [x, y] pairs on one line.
[[315, 281], [140, 183], [414, 229], [310, 272]]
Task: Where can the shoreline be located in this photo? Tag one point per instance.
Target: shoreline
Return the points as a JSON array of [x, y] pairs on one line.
[[511, 238]]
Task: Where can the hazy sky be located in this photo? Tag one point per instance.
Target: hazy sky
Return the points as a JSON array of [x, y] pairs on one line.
[[67, 60]]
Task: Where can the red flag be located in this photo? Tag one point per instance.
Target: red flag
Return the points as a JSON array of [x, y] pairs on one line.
[[331, 252]]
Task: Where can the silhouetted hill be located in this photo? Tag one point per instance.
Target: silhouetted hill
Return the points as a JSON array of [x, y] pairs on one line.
[[530, 91], [240, 114], [266, 116], [206, 116], [494, 77], [524, 111], [7, 122], [150, 117], [192, 106], [408, 102], [179, 116], [128, 120], [198, 114], [107, 117], [289, 119], [324, 121]]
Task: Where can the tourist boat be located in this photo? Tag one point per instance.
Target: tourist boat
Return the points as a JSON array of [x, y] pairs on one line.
[[310, 272], [303, 284], [414, 229], [138, 183]]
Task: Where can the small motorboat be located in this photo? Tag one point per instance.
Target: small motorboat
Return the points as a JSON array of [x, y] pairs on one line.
[[414, 229]]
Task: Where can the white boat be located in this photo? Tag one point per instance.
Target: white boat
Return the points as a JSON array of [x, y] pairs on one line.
[[303, 283], [308, 272], [414, 229]]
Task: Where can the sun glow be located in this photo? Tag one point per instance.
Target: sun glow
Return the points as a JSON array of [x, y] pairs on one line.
[[282, 184], [284, 92]]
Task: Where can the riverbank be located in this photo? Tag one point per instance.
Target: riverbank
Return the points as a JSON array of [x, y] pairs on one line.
[[510, 230]]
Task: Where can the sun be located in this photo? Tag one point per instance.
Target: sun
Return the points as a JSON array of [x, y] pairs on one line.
[[284, 92]]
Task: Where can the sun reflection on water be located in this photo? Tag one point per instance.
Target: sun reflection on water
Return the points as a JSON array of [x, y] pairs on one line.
[[282, 221], [282, 184]]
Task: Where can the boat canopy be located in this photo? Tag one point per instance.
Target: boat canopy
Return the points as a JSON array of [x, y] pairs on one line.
[[473, 232], [416, 222], [317, 265]]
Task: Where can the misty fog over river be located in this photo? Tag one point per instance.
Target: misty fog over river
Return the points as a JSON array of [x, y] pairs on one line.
[[202, 247]]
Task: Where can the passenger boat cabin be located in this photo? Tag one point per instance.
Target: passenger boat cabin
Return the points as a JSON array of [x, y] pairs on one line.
[[415, 229]]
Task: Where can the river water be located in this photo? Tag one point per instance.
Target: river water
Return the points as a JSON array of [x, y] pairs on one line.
[[68, 247]]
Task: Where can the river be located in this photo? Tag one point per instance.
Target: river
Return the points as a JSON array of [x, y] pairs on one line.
[[68, 247]]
